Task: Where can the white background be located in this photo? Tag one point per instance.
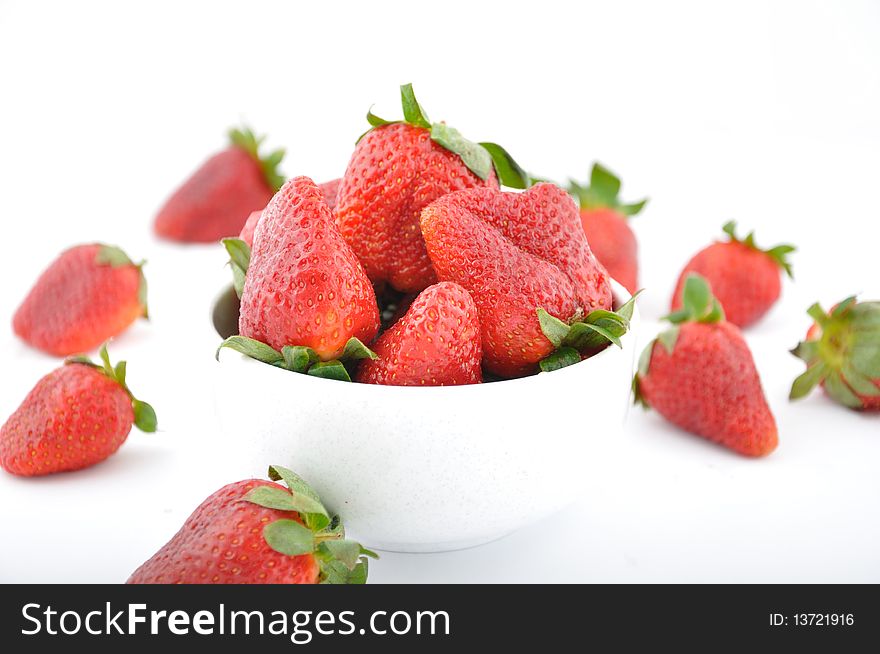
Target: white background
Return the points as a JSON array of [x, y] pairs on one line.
[[764, 112]]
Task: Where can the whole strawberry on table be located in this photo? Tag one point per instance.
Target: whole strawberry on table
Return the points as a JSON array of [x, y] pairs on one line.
[[259, 532], [75, 417], [744, 278], [700, 375], [89, 294], [217, 199], [842, 353]]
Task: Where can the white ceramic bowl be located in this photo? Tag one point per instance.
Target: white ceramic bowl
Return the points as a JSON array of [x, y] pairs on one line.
[[425, 469]]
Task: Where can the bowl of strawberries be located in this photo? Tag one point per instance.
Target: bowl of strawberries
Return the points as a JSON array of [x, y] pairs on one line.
[[431, 420], [439, 357]]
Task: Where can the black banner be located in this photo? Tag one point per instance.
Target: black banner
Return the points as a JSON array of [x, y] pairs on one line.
[[433, 618]]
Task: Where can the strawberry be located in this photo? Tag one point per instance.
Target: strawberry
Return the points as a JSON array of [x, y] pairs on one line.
[[87, 295], [842, 353], [605, 222], [216, 200], [700, 375], [328, 189], [75, 417], [744, 278], [516, 253], [258, 532], [436, 343], [304, 286], [396, 170]]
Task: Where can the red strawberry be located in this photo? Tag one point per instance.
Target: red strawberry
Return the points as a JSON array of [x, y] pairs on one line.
[[605, 222], [516, 253], [257, 532], [842, 353], [700, 375], [75, 417], [87, 295], [396, 170], [436, 343], [744, 278], [216, 200], [328, 189], [304, 285]]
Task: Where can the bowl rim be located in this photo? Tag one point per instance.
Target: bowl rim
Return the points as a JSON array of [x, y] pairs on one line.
[[620, 294]]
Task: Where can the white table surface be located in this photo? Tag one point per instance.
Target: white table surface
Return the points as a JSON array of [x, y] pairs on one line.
[[766, 113]]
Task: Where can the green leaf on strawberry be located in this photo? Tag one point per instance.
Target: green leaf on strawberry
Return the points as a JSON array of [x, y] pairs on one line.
[[412, 110], [144, 416], [698, 303], [330, 370], [474, 155], [239, 260], [583, 337], [254, 349], [342, 561], [509, 172], [300, 359], [335, 572], [289, 537], [348, 552], [560, 358], [354, 349], [842, 353]]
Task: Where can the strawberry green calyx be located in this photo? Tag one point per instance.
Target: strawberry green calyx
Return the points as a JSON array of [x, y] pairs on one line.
[[144, 414], [779, 253], [239, 261], [509, 172], [245, 139], [480, 158], [698, 305], [115, 257], [301, 359], [843, 353], [585, 336], [342, 561], [602, 192]]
